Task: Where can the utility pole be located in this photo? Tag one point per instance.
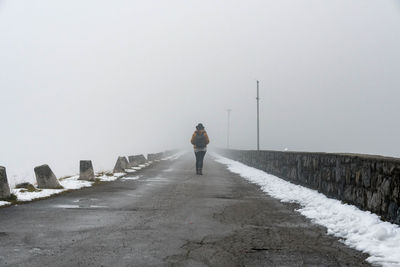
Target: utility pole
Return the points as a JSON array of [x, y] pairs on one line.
[[228, 129], [258, 116]]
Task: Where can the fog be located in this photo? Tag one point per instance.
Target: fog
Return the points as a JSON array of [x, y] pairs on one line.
[[98, 79]]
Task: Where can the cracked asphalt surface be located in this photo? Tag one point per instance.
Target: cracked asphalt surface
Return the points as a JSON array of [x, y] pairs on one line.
[[167, 217]]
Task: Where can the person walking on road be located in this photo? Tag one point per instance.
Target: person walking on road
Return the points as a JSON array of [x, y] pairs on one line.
[[200, 141]]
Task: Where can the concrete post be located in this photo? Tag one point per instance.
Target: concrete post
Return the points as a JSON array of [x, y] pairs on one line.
[[156, 156], [132, 162], [4, 187], [150, 157], [45, 178], [140, 159], [121, 164], [136, 160], [86, 171]]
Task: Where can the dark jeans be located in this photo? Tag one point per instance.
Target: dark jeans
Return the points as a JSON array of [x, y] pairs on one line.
[[199, 159]]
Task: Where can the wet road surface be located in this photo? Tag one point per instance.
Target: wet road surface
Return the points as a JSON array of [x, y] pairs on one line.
[[166, 215]]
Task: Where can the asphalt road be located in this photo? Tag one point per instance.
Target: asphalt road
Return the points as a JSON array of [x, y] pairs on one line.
[[167, 217]]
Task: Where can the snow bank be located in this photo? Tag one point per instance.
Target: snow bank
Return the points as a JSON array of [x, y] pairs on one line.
[[358, 229]]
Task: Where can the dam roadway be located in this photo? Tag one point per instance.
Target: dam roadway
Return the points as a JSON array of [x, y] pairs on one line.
[[166, 215]]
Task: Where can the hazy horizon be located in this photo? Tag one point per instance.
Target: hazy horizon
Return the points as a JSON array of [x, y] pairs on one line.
[[99, 79]]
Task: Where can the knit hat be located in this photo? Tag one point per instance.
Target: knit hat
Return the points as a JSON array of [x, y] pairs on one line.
[[199, 126]]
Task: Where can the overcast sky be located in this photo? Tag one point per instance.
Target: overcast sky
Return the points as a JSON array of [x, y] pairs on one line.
[[98, 79]]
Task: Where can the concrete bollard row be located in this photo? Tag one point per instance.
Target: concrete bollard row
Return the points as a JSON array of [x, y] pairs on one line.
[[155, 156], [45, 178], [4, 187]]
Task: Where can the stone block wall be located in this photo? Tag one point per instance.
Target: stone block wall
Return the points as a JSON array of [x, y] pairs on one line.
[[368, 182]]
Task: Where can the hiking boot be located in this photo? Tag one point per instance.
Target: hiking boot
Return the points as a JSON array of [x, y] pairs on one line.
[[200, 171]]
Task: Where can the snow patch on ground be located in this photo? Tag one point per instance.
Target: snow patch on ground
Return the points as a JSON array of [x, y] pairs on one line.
[[131, 177], [4, 203], [358, 229], [141, 166], [29, 196], [110, 178], [71, 183], [175, 156]]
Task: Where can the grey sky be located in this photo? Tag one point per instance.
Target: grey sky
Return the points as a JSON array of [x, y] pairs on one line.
[[98, 79]]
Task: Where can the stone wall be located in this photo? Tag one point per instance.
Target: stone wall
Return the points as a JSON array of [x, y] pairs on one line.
[[368, 182]]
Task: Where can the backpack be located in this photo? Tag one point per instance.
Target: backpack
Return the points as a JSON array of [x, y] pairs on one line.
[[200, 140]]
